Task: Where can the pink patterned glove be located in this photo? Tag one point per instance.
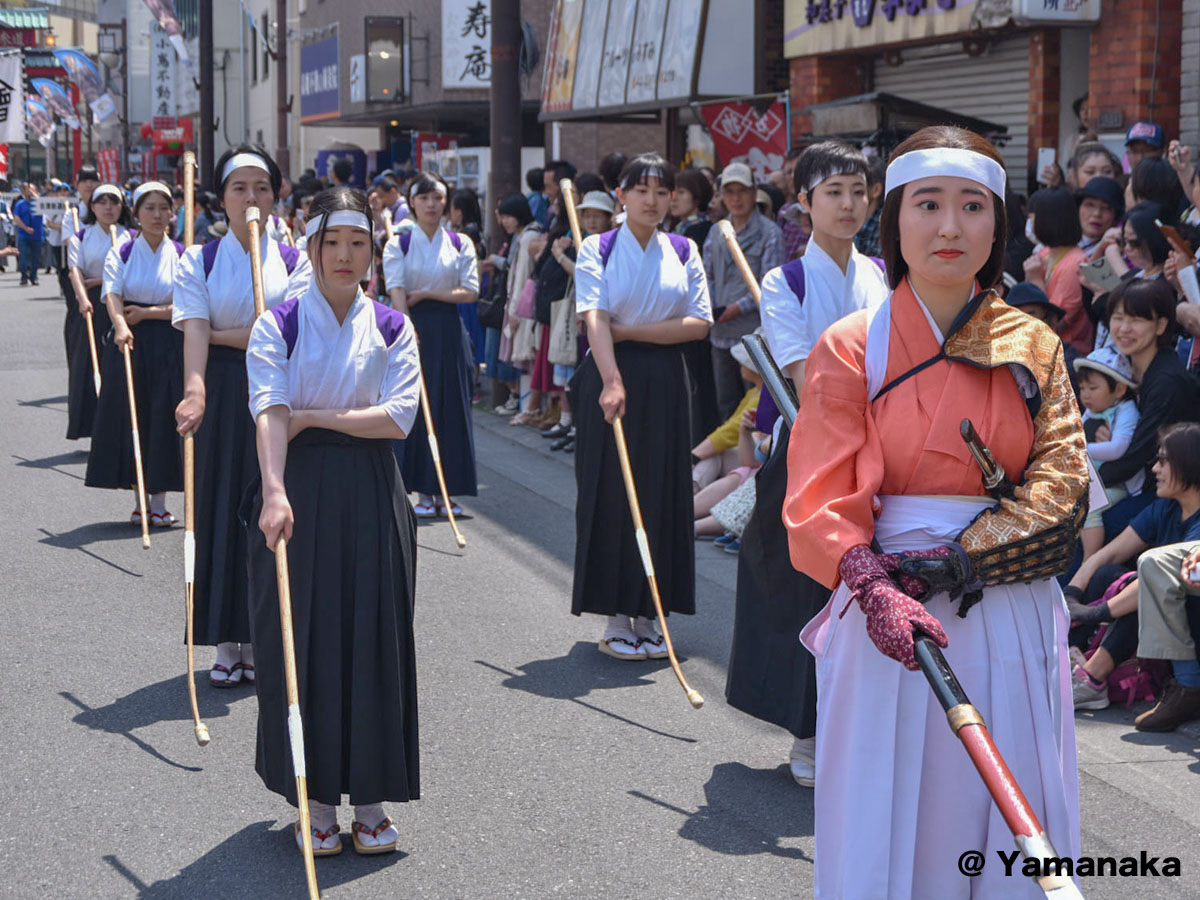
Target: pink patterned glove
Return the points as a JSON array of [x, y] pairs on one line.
[[892, 615]]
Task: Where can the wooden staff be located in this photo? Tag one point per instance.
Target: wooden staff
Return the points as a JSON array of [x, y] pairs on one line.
[[287, 233], [283, 583], [189, 482], [87, 318], [133, 420], [428, 414], [731, 241], [635, 508]]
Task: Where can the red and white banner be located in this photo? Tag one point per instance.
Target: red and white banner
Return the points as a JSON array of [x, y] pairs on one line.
[[3, 160], [742, 135], [108, 164]]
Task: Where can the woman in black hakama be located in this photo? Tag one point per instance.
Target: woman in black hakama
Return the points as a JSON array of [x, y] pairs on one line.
[[429, 272], [338, 374], [138, 283], [643, 294]]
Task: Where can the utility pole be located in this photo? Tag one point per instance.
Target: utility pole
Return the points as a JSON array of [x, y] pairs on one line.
[[207, 124], [283, 154], [505, 123]]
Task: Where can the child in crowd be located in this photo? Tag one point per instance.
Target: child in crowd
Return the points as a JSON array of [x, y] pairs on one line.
[[1110, 417], [717, 457]]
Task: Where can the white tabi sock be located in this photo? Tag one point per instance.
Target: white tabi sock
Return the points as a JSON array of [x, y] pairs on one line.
[[646, 628], [565, 420], [248, 654], [158, 503], [322, 816], [425, 500], [227, 654], [618, 627], [369, 814]]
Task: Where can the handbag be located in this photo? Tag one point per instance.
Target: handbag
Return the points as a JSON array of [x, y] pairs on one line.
[[527, 302], [563, 349], [490, 309]]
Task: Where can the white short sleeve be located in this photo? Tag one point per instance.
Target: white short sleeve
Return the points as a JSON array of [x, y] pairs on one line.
[[300, 278], [191, 288], [401, 391], [590, 290], [394, 264], [468, 266], [114, 275], [783, 320], [73, 251], [699, 305], [267, 366]]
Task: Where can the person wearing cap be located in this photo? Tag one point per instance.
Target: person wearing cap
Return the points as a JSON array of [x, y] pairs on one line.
[[1031, 299], [879, 476], [1143, 140], [1106, 392], [139, 281], [1101, 204], [214, 308], [734, 310], [86, 251], [429, 271], [333, 380]]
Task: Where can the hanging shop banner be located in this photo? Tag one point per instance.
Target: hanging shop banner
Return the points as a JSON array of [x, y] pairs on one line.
[[740, 134], [3, 160], [645, 52], [41, 121], [561, 56], [162, 74], [680, 40], [58, 100], [319, 85], [87, 78], [108, 165], [466, 44], [820, 26], [164, 15], [12, 109]]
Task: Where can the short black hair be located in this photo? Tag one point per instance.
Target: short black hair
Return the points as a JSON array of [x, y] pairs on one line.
[[697, 184], [1145, 298], [535, 179], [1155, 180], [1086, 372], [560, 168], [825, 160], [177, 193], [1141, 219], [1180, 444], [876, 170], [1056, 217], [585, 182], [610, 169], [87, 173], [775, 195], [343, 169], [273, 172], [466, 201], [645, 166], [387, 183]]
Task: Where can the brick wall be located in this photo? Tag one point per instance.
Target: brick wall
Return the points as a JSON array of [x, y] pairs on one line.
[[586, 143], [1134, 68], [816, 79], [1044, 62], [1189, 99]]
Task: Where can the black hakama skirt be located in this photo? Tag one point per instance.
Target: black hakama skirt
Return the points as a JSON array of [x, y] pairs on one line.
[[158, 387], [772, 676], [609, 578], [352, 563], [81, 385], [226, 466], [449, 382]]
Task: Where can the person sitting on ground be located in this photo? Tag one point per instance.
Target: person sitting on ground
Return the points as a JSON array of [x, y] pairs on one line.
[[1169, 628], [1106, 389], [1173, 517], [717, 455]]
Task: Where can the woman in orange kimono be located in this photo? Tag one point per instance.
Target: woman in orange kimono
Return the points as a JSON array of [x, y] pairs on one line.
[[876, 461]]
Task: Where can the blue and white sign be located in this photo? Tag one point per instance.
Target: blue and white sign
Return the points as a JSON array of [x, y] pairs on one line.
[[319, 81]]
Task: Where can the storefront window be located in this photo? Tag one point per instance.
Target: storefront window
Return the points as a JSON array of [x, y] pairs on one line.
[[385, 61]]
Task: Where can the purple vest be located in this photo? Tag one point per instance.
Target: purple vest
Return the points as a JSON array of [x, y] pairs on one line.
[[388, 321]]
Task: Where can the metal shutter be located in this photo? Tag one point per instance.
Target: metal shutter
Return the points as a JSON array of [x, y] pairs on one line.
[[994, 86]]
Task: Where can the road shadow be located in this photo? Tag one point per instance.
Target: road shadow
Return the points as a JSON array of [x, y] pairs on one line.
[[747, 811], [1171, 741], [93, 533], [166, 701], [48, 403], [52, 463], [260, 862], [581, 671]]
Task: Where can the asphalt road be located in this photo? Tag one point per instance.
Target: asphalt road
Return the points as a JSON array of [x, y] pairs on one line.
[[548, 770]]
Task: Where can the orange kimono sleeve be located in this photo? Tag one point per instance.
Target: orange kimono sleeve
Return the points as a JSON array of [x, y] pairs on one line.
[[835, 459]]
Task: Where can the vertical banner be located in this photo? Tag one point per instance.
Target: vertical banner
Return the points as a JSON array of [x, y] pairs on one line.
[[164, 15], [85, 74], [319, 82], [41, 122], [466, 44], [12, 107], [4, 161], [108, 163], [162, 75], [56, 99], [560, 61], [742, 135]]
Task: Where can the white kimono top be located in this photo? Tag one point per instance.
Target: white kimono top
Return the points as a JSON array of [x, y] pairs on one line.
[[792, 325], [430, 265], [147, 277], [640, 287], [88, 254], [226, 296], [369, 360]]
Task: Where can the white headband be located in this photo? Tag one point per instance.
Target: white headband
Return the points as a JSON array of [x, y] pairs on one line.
[[821, 179], [143, 189], [340, 217], [947, 161], [108, 189], [241, 160], [437, 186]]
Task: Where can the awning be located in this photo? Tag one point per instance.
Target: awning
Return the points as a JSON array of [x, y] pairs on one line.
[[884, 120], [24, 18]]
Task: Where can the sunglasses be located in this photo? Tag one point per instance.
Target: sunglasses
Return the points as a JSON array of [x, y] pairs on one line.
[[1130, 243]]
